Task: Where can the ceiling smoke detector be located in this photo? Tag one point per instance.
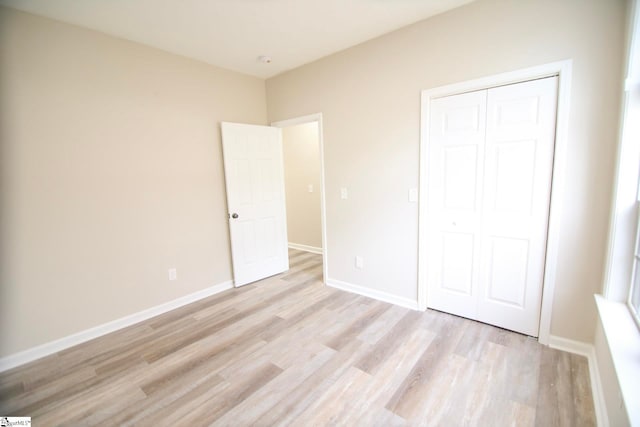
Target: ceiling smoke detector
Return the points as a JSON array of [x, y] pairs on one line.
[[264, 59]]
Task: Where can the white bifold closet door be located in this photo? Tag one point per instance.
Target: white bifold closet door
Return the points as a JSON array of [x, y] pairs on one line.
[[489, 186]]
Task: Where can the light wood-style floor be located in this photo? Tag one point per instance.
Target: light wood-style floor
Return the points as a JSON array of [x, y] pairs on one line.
[[290, 351]]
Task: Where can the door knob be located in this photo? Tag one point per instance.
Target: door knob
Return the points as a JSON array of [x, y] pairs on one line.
[[234, 215]]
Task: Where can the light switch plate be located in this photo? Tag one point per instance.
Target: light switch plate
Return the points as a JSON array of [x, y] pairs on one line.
[[310, 188], [344, 194], [413, 195]]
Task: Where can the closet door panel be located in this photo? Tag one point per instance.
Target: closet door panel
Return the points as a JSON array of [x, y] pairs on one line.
[[457, 133], [519, 150]]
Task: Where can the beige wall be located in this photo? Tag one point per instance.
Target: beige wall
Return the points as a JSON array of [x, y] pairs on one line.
[[111, 170], [301, 151], [369, 96], [111, 174]]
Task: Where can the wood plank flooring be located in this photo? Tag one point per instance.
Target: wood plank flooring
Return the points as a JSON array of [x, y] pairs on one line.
[[289, 351]]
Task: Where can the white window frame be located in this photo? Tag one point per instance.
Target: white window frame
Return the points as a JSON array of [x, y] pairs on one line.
[[635, 276], [620, 266], [619, 321]]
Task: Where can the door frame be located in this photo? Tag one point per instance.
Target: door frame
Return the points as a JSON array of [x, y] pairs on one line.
[[317, 118], [562, 69]]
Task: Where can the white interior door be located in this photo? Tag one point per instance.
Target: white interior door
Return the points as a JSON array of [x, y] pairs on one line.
[[254, 176], [490, 162], [456, 145]]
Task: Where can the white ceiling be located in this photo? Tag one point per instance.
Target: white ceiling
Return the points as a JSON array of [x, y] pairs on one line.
[[233, 33]]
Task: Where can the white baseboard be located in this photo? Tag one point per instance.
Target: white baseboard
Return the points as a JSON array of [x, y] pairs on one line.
[[372, 293], [29, 355], [570, 346], [589, 351], [305, 248]]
